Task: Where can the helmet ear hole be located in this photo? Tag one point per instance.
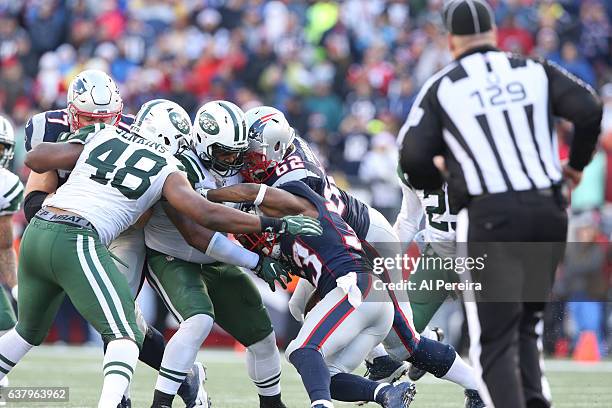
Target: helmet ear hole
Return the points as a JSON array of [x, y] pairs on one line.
[[277, 146], [166, 140], [199, 138]]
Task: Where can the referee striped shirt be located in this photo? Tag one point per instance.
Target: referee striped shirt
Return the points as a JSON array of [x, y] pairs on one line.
[[491, 115]]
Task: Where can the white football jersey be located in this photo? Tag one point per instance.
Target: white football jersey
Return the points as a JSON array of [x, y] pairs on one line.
[[440, 221], [160, 233], [116, 179], [11, 192]]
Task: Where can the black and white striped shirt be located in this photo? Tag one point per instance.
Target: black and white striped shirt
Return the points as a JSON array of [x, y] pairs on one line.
[[491, 115]]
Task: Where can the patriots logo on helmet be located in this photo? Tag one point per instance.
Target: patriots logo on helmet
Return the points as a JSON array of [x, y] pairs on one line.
[[179, 122], [256, 130], [208, 123], [79, 86]]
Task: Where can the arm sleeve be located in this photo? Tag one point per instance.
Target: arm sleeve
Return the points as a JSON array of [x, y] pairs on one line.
[[421, 139], [224, 250], [574, 100], [32, 203]]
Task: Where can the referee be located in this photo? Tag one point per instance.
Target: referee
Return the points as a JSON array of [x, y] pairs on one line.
[[490, 115]]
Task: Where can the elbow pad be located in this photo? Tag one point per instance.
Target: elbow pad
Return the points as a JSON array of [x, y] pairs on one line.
[[32, 203]]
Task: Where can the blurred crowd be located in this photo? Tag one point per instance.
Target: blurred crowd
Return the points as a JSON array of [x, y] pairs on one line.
[[344, 72]]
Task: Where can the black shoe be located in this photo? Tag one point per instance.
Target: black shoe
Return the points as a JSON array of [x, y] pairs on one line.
[[125, 403], [273, 401], [473, 400], [399, 396], [416, 374], [192, 390], [385, 369]]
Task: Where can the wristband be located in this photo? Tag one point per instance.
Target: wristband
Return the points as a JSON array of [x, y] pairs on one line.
[[260, 195], [270, 224]]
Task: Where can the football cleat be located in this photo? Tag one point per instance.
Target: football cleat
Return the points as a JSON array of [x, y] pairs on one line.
[[125, 403], [415, 373], [192, 390], [385, 369], [271, 402], [399, 396], [473, 400]]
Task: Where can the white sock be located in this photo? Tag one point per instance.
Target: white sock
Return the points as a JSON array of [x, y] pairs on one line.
[[377, 351], [181, 352], [12, 349], [325, 403], [119, 364], [461, 373], [430, 334], [264, 366]]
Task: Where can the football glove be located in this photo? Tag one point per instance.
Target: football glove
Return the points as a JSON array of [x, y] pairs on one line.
[[272, 271], [300, 225]]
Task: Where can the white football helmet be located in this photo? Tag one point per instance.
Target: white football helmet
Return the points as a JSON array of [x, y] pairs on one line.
[[94, 94], [164, 122], [220, 137], [270, 136], [7, 142]]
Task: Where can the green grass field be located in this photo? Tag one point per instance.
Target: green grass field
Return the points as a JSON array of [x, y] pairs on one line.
[[573, 385]]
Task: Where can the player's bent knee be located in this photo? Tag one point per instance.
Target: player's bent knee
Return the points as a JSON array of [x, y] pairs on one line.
[[197, 327]]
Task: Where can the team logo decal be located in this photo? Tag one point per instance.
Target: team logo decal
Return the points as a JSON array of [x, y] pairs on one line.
[[256, 130], [179, 122], [208, 123], [79, 87]]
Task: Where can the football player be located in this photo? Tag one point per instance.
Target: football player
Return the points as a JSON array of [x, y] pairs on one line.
[[351, 316], [11, 195], [193, 270], [115, 177], [93, 97], [277, 155]]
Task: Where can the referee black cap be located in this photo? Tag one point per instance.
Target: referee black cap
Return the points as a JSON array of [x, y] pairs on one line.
[[467, 17]]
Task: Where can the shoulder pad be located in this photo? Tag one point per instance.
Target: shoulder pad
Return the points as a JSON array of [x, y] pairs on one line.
[[45, 127], [193, 170]]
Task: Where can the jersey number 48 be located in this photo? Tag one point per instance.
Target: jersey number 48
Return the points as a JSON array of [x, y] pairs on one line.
[[112, 150]]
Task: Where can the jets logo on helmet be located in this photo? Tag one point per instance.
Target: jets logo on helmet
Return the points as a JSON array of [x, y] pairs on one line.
[[181, 123], [93, 95], [164, 122], [208, 123], [270, 137], [7, 142], [220, 137]]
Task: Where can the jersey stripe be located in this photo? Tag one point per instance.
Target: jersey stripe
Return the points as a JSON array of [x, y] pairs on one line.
[[109, 286], [95, 287]]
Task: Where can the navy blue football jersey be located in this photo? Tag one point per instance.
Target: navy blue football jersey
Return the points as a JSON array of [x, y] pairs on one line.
[[302, 164], [48, 126], [322, 259]]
